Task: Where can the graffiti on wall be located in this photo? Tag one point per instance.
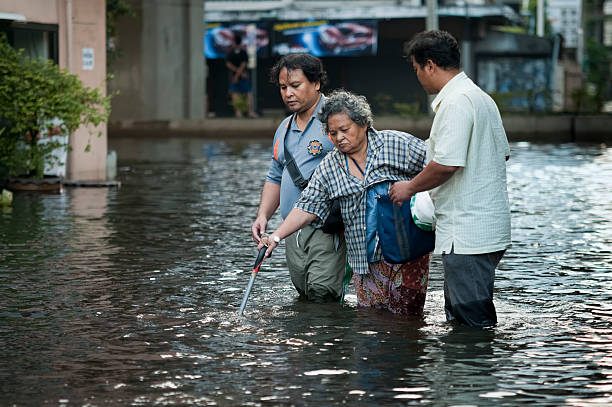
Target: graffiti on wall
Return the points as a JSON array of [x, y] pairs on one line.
[[517, 83]]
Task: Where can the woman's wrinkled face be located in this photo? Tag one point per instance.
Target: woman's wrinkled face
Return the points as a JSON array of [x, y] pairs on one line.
[[346, 135]]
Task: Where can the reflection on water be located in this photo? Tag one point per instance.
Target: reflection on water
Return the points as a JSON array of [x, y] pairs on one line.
[[129, 296]]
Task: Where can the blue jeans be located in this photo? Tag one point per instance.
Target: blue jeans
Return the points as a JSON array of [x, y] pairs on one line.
[[242, 86], [468, 287]]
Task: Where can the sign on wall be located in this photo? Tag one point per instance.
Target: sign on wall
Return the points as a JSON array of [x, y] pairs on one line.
[[520, 83], [87, 57]]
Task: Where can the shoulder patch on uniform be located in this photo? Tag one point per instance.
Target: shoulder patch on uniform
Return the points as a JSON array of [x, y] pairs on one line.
[[315, 147]]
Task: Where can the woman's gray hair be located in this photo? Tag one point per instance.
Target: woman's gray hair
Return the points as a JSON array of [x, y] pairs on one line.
[[356, 108]]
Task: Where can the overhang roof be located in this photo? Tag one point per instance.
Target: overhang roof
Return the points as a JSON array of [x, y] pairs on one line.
[[288, 10], [12, 16]]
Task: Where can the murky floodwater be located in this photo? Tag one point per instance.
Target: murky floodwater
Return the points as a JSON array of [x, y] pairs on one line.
[[129, 296]]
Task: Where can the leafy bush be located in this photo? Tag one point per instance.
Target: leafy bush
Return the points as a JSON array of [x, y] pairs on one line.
[[408, 110], [39, 101]]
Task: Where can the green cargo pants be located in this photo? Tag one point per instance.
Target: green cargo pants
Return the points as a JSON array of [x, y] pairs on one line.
[[316, 266]]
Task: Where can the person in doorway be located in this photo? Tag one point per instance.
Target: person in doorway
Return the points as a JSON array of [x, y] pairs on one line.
[[364, 164], [316, 260], [240, 86], [467, 151]]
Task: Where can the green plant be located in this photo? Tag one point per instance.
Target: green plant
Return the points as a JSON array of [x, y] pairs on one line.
[[115, 9], [6, 198], [39, 101], [383, 103], [240, 103], [598, 59], [408, 110]]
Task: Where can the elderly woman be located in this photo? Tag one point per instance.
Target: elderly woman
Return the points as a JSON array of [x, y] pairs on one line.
[[364, 160]]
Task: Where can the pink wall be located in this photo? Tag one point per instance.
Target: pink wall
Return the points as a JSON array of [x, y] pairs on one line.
[[81, 24], [35, 11], [88, 31]]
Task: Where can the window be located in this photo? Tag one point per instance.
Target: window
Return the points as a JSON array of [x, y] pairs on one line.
[[37, 40]]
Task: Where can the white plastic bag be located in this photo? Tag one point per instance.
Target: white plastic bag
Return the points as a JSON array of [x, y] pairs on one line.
[[422, 209]]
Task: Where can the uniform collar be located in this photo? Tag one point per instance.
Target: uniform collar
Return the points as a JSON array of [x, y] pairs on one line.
[[447, 89]]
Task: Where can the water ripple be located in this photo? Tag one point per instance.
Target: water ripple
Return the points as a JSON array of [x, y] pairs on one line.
[[129, 296]]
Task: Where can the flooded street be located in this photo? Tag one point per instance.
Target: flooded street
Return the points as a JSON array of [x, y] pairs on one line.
[[129, 296]]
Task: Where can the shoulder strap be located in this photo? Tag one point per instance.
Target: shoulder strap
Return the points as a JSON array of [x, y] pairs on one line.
[[292, 167]]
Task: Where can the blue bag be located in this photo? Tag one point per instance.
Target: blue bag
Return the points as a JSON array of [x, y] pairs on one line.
[[400, 239]]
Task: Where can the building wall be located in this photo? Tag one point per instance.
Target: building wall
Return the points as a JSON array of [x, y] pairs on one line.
[[81, 24], [39, 11], [160, 75], [88, 31]]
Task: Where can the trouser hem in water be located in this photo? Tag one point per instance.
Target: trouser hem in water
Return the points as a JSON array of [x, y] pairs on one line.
[[468, 287]]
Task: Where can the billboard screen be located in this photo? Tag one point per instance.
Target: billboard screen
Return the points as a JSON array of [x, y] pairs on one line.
[[218, 38], [326, 38]]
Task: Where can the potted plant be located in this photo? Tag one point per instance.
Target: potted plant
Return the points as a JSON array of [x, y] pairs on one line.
[[40, 106]]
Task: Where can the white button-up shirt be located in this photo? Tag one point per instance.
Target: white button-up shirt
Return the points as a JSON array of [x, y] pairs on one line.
[[471, 208]]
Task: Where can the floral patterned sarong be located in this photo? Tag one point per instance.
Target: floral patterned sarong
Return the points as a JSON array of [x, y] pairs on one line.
[[399, 288]]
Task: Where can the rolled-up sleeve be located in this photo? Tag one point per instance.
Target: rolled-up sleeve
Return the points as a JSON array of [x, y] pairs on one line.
[[413, 152], [453, 136], [275, 174], [315, 199]]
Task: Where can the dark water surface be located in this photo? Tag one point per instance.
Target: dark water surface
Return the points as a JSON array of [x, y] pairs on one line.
[[112, 297]]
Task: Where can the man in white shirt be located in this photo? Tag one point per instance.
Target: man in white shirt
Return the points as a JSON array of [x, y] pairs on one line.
[[466, 176]]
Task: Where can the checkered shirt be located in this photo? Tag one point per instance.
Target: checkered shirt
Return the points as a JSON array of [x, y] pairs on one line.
[[391, 156]]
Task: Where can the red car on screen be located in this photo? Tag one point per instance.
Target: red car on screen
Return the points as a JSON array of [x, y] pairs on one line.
[[346, 37]]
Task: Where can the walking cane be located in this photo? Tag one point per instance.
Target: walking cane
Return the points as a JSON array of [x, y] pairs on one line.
[[258, 261]]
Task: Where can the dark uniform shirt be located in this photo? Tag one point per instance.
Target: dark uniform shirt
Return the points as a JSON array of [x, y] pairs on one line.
[[236, 57]]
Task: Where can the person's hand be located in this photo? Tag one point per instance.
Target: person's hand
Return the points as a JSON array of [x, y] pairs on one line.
[[258, 228], [400, 191], [266, 240]]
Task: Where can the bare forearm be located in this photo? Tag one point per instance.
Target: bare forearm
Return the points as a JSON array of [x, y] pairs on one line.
[[296, 220], [231, 66], [270, 200], [432, 176], [241, 68]]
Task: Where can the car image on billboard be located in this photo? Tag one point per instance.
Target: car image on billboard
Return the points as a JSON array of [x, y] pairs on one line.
[[326, 38], [346, 38]]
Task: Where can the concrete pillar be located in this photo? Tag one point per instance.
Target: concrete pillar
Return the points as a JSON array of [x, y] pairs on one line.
[[84, 54], [195, 83], [432, 21], [161, 74]]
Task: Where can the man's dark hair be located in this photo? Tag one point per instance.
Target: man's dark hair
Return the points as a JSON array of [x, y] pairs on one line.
[[237, 38], [309, 64], [437, 45]]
